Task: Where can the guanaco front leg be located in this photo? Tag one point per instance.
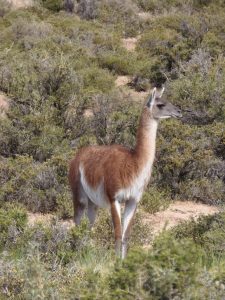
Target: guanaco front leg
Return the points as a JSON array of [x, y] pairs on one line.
[[116, 218], [129, 211]]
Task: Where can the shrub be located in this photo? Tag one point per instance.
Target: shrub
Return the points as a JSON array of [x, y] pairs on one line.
[[160, 50], [123, 15], [64, 205], [204, 190], [88, 9], [55, 66], [114, 121], [13, 219], [206, 231], [54, 5], [154, 200], [29, 33], [34, 184], [168, 5], [165, 272], [150, 71], [189, 168], [203, 91], [63, 243], [121, 62], [97, 80], [47, 79], [5, 7], [154, 5]]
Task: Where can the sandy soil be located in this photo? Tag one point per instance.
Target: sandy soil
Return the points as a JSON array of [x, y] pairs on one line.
[[135, 96], [4, 105], [34, 218], [176, 213], [20, 3], [144, 16], [130, 43], [122, 80], [88, 113], [122, 83]]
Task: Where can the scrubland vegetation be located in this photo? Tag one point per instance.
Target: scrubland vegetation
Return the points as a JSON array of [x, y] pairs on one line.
[[58, 60]]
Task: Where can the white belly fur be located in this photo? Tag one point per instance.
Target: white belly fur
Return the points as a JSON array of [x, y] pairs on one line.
[[97, 196], [135, 190]]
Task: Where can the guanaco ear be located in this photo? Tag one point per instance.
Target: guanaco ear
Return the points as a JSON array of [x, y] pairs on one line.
[[160, 93], [151, 99]]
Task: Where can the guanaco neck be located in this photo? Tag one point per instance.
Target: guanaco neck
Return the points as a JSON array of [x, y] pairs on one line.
[[146, 139]]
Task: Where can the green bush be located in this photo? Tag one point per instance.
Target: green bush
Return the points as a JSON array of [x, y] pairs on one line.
[[203, 91], [204, 190], [149, 72], [122, 15], [54, 5], [97, 80], [189, 168], [55, 260], [13, 219], [121, 62], [154, 200], [164, 273], [114, 121], [207, 231], [35, 185], [154, 5]]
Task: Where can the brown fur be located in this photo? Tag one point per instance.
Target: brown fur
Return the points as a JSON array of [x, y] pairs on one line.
[[116, 164]]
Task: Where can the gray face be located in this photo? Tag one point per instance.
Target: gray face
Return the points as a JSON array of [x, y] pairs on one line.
[[160, 108]]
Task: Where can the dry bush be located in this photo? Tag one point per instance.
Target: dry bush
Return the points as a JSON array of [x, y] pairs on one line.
[[123, 14], [5, 7], [33, 184]]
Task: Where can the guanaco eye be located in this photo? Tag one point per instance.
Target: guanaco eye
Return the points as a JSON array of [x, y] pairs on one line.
[[160, 105]]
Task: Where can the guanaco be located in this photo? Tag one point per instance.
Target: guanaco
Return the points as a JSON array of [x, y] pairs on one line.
[[106, 176]]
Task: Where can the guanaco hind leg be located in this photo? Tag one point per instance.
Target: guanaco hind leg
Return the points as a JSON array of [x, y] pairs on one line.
[[79, 209], [91, 212], [80, 201]]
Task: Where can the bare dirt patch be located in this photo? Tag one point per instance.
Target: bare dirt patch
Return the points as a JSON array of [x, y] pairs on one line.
[[122, 83], [4, 105], [122, 80], [130, 43], [176, 213], [15, 4], [47, 219], [144, 16], [34, 218], [136, 96], [88, 113]]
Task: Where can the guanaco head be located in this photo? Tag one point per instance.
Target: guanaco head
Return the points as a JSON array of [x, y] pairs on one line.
[[160, 108]]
